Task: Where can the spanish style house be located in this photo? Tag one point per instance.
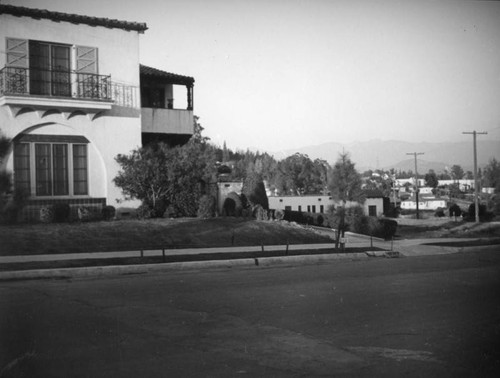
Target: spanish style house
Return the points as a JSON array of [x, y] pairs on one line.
[[71, 89]]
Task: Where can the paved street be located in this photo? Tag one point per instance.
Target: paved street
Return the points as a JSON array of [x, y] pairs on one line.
[[416, 316]]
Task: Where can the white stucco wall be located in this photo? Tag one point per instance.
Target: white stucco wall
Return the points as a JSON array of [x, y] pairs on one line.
[[118, 49], [313, 202], [430, 204], [110, 132]]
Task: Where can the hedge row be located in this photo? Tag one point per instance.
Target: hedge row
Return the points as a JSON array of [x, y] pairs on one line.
[[378, 227], [61, 212]]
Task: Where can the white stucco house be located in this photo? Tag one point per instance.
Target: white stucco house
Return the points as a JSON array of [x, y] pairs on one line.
[[373, 205], [73, 96]]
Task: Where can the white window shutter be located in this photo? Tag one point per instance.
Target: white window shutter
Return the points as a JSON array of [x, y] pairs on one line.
[[17, 52], [86, 59]]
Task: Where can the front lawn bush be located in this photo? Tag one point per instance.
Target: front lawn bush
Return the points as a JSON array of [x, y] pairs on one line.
[[206, 208], [108, 213], [279, 215], [47, 214], [484, 214], [61, 212], [260, 213], [387, 229], [455, 210]]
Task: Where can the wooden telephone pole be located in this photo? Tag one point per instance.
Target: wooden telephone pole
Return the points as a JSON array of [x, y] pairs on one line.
[[476, 181], [415, 154]]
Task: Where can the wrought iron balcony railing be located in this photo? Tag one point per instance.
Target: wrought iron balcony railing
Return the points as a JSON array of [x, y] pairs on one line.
[[37, 82]]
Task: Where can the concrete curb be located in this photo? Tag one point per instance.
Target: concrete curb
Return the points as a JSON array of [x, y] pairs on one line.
[[160, 252], [115, 270]]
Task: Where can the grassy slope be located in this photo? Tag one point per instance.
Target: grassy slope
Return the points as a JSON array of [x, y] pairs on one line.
[[446, 228], [148, 234]]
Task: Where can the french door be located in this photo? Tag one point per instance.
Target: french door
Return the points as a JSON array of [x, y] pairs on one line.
[[50, 67]]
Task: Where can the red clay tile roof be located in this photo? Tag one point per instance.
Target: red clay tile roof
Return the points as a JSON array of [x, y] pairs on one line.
[[73, 18], [167, 76]]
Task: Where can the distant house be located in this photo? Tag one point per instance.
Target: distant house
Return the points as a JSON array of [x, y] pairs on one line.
[[488, 190], [463, 184], [424, 203], [373, 205], [376, 204], [71, 88]]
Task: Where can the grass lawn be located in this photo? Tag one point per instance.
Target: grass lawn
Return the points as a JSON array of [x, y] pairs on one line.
[[126, 235]]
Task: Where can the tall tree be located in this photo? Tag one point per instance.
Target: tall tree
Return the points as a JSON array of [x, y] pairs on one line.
[[225, 153], [345, 185], [431, 179], [491, 174], [344, 181], [457, 172], [255, 191]]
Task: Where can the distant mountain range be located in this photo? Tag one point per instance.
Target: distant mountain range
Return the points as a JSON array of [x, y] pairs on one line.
[[387, 154]]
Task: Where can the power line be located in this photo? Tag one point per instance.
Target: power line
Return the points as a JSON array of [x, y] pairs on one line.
[[476, 185], [415, 154]]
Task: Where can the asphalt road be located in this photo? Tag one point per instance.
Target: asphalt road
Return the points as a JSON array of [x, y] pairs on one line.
[[420, 316]]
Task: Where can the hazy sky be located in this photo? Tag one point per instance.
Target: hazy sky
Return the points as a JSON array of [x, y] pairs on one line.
[[281, 74]]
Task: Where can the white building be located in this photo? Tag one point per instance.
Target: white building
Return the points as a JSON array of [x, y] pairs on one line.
[[373, 205], [70, 101], [424, 203]]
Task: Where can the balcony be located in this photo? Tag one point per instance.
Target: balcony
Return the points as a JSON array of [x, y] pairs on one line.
[[160, 120], [61, 89], [167, 121]]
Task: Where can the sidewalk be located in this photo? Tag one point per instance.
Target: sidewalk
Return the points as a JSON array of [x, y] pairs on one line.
[[160, 252], [200, 258]]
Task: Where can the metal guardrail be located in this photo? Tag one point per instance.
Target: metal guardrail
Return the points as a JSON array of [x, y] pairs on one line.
[[38, 82]]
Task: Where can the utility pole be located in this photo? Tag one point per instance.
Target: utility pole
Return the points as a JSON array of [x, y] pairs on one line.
[[476, 183], [415, 154]]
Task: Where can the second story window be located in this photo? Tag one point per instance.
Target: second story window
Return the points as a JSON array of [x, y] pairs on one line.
[[45, 68]]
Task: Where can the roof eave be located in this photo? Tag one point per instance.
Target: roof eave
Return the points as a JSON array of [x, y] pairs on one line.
[[38, 14]]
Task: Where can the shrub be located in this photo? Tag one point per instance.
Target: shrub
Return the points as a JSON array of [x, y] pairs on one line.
[[393, 211], [319, 220], [170, 212], [11, 206], [295, 216], [387, 229], [229, 207], [244, 201], [439, 212], [279, 215], [361, 225], [246, 212], [206, 208], [260, 213], [455, 210], [83, 213], [484, 214], [61, 212], [144, 211], [46, 214], [255, 191], [108, 212]]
